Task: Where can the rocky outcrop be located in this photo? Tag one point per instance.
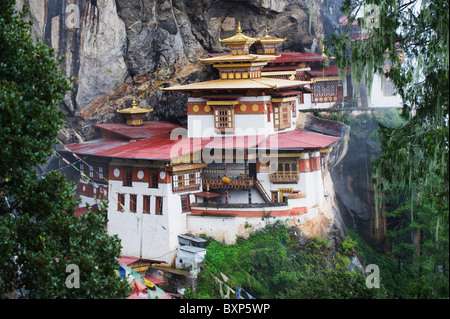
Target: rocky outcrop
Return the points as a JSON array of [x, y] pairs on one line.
[[116, 49], [355, 198], [309, 122]]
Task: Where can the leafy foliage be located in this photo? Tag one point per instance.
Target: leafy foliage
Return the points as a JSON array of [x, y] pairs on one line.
[[271, 264], [39, 232], [411, 176]]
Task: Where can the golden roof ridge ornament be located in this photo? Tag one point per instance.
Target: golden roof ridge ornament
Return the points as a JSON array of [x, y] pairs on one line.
[[268, 38], [324, 55], [134, 114], [134, 109], [238, 38]]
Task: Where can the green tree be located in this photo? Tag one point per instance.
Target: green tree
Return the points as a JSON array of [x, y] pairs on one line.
[[39, 232], [412, 174]]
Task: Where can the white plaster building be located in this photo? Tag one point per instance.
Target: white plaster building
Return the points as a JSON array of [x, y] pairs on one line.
[[240, 164]]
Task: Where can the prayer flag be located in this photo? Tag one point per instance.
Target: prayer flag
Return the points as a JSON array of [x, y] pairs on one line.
[[149, 283], [225, 278]]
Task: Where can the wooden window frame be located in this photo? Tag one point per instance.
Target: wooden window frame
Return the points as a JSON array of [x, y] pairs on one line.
[[120, 202], [159, 205], [128, 177], [153, 179], [185, 203], [133, 203], [224, 126], [146, 200], [286, 172], [186, 181], [281, 110]]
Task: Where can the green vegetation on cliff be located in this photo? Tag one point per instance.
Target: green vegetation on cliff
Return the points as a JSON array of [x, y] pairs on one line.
[[272, 263]]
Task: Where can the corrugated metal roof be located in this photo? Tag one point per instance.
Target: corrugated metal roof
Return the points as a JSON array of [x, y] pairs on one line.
[[330, 70], [127, 260], [297, 140], [297, 57], [153, 279], [162, 147], [235, 142], [148, 129]]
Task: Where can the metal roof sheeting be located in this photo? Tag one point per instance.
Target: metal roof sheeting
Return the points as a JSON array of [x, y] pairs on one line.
[[162, 147]]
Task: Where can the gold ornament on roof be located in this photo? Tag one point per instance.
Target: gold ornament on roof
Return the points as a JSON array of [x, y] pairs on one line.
[[134, 114]]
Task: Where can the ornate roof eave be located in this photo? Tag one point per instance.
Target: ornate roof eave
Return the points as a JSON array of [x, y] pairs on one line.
[[134, 109]]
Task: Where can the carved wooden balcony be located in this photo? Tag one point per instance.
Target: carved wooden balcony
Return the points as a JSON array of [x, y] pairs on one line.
[[235, 183], [284, 178]]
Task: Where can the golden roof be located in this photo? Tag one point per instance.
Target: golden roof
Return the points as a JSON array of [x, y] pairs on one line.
[[270, 39], [238, 38], [240, 58], [134, 109], [241, 84]]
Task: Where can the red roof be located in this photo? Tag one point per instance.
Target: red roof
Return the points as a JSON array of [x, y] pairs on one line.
[[344, 21], [222, 96], [153, 279], [291, 57], [280, 68], [207, 194], [287, 93], [80, 211], [296, 139], [235, 142], [332, 70], [133, 296], [148, 129], [127, 260], [165, 147]]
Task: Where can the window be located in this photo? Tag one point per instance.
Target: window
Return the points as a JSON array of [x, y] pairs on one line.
[[91, 171], [100, 172], [133, 199], [121, 202], [285, 172], [158, 205], [153, 179], [146, 204], [128, 178], [176, 183], [388, 87], [198, 178], [183, 182], [224, 119], [185, 203], [282, 115]]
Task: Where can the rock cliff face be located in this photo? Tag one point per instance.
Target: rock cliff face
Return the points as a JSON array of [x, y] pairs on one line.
[[116, 49]]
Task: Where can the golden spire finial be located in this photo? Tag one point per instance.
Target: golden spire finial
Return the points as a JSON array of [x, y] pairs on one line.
[[267, 31], [239, 30], [134, 102]]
